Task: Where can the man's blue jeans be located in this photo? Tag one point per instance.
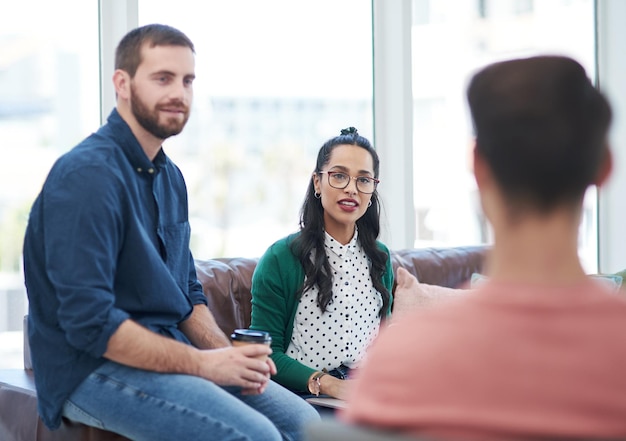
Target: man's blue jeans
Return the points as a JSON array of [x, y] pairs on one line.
[[150, 406]]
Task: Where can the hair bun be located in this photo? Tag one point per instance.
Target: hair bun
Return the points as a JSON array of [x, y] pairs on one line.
[[349, 131]]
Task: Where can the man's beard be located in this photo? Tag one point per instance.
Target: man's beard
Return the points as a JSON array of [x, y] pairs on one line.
[[149, 119]]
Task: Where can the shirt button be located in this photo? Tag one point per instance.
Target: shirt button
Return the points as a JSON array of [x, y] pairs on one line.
[[346, 283], [151, 170], [139, 169]]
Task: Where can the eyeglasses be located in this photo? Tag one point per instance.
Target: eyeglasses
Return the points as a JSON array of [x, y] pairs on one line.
[[364, 184]]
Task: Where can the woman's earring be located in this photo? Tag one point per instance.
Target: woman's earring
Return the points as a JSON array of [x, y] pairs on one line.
[[319, 195], [369, 204]]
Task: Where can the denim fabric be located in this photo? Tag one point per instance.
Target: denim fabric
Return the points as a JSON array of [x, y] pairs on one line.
[[144, 405]]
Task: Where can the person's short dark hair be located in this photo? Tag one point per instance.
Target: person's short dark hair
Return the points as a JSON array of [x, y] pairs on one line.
[[128, 52], [541, 126]]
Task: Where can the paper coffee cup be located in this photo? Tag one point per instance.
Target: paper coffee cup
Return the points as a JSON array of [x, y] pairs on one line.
[[241, 337]]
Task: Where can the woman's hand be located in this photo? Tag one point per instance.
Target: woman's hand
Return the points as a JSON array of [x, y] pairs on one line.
[[334, 387]]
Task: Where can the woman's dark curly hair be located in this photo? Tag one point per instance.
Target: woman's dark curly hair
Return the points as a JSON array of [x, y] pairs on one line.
[[310, 242]]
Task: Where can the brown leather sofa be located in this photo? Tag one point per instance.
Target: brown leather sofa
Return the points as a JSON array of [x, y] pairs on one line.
[[226, 283]]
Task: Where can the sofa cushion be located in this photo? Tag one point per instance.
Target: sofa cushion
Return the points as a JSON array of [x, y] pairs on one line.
[[226, 283], [450, 267]]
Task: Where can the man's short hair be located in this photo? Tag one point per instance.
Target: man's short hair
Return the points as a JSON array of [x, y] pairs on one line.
[[541, 126], [128, 52]]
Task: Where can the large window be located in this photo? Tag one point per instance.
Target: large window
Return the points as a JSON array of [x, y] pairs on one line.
[[450, 40], [275, 79], [49, 100]]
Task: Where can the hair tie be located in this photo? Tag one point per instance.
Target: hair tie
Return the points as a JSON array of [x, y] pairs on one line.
[[349, 131]]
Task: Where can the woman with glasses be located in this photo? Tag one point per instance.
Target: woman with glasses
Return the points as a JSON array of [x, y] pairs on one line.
[[323, 291]]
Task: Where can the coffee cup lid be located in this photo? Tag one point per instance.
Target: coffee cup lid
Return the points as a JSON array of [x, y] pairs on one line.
[[251, 335]]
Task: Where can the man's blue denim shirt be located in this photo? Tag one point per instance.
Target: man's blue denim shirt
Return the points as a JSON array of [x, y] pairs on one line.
[[107, 240]]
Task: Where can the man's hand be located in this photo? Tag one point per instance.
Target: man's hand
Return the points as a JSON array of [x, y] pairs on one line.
[[260, 390], [244, 366], [248, 366]]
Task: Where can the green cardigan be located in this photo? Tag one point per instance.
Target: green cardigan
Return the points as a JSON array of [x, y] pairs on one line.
[[275, 283]]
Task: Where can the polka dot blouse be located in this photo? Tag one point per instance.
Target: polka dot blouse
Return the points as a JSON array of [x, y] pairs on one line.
[[351, 321]]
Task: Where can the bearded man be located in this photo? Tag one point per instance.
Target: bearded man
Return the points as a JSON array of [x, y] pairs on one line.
[[121, 337]]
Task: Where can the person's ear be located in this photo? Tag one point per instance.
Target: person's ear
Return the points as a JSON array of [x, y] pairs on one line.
[[488, 190], [316, 182], [605, 169], [482, 172], [121, 83]]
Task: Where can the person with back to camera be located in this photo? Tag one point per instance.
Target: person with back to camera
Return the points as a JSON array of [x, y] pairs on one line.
[[539, 350], [323, 291], [119, 328]]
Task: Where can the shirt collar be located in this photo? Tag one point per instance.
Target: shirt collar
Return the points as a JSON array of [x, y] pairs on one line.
[[124, 136], [333, 246]]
